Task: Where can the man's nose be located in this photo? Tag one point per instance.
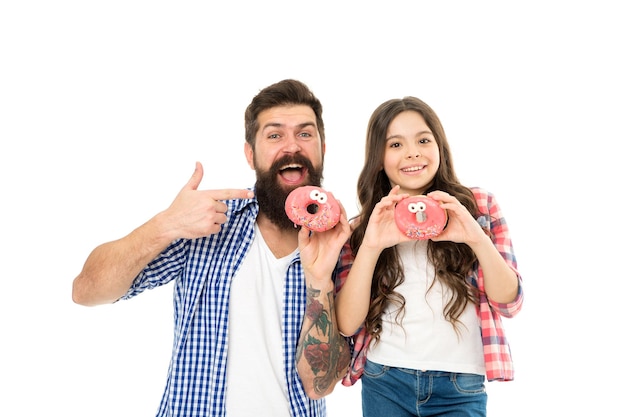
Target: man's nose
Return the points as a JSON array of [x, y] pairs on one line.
[[292, 145]]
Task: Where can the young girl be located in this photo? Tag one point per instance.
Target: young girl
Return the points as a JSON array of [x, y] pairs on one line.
[[425, 314]]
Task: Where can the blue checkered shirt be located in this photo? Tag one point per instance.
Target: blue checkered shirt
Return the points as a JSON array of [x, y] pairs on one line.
[[203, 270]]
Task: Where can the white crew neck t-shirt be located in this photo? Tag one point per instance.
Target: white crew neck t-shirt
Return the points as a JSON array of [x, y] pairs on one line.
[[255, 372], [426, 340]]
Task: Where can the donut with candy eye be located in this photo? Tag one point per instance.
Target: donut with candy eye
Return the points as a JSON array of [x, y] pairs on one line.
[[313, 208], [420, 217]]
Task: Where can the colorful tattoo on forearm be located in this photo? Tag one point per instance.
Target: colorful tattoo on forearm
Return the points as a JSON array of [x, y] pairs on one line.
[[323, 347]]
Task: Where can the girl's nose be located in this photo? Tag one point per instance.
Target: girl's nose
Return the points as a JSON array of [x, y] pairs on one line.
[[413, 152]]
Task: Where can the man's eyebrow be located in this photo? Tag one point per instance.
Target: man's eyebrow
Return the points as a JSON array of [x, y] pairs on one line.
[[278, 125], [272, 125], [306, 124]]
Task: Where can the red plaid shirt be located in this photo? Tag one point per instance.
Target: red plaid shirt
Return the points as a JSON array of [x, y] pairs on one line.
[[498, 362]]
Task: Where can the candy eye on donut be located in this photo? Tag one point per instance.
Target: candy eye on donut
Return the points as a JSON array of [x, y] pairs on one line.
[[417, 207], [317, 195]]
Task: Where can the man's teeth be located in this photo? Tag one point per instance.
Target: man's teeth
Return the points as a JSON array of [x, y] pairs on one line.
[[292, 166]]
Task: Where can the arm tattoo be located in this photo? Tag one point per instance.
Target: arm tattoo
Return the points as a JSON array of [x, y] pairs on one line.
[[324, 349]]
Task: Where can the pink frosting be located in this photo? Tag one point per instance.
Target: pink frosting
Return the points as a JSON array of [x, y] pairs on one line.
[[420, 217], [308, 198]]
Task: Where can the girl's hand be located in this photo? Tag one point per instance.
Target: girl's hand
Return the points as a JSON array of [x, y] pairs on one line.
[[382, 231], [461, 227]]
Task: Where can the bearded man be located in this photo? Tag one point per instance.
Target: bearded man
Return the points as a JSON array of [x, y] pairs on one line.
[[255, 330]]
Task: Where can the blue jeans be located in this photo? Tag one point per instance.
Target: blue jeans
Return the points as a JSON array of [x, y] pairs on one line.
[[396, 392]]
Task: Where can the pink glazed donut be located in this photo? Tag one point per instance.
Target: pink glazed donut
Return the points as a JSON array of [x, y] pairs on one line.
[[420, 217], [313, 208]]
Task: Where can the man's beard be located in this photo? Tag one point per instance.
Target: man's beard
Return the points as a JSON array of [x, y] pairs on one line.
[[272, 196]]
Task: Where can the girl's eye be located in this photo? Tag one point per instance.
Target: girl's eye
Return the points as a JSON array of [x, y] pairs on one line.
[[394, 145]]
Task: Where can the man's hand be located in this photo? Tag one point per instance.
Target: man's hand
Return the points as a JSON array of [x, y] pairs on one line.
[[319, 251], [196, 213]]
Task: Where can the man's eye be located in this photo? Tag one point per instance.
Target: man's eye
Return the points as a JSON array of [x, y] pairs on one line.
[[274, 136]]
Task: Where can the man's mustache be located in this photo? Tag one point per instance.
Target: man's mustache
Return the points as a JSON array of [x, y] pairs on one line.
[[291, 159]]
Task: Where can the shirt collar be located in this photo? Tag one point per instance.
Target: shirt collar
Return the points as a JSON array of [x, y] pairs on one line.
[[239, 205]]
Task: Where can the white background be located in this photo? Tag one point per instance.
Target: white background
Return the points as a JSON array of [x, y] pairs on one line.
[[105, 107]]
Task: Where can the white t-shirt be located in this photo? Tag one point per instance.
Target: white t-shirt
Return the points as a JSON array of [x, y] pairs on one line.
[[256, 384], [426, 340]]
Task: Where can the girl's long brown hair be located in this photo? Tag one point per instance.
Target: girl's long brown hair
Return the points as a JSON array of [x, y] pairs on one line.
[[452, 261]]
